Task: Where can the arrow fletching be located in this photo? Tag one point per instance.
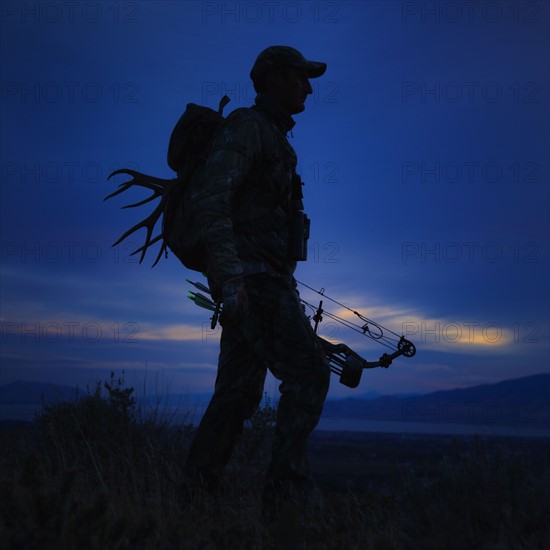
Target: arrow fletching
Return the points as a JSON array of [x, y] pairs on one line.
[[202, 301], [200, 286]]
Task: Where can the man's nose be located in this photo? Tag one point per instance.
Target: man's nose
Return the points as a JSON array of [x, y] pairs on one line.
[[309, 89]]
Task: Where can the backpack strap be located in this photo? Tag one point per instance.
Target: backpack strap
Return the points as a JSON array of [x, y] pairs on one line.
[[223, 102]]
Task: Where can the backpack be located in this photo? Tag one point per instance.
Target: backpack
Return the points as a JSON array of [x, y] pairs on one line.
[[188, 150]]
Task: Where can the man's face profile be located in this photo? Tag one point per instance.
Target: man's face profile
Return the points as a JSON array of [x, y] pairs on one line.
[[290, 85]]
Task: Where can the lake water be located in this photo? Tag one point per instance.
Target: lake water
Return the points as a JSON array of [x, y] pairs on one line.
[[29, 412], [443, 428]]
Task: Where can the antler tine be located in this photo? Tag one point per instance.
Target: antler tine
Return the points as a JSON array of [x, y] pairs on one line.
[[122, 187], [146, 245], [162, 249], [157, 192], [148, 223], [160, 188], [144, 179], [122, 171], [144, 201], [157, 185], [136, 175]]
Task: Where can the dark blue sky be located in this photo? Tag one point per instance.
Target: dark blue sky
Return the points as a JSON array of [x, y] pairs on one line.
[[424, 149]]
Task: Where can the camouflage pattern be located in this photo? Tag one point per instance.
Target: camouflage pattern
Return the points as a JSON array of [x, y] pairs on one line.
[[240, 195], [240, 200], [277, 335]]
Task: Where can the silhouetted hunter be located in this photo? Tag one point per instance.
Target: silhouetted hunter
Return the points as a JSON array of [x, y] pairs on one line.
[[248, 202]]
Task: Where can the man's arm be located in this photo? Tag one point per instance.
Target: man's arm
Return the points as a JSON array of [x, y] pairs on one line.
[[234, 150]]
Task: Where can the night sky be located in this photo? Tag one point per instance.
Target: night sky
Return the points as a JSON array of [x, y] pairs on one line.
[[424, 150]]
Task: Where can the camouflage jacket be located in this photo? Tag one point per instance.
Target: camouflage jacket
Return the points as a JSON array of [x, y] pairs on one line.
[[242, 195]]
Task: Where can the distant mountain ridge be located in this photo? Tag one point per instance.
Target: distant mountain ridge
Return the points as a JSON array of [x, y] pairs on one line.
[[523, 401], [36, 393]]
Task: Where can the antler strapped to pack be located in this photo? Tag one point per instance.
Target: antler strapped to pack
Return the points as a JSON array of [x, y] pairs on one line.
[[188, 150], [160, 188]]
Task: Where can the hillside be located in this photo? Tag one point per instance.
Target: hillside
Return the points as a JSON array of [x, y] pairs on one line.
[[519, 401], [524, 401]]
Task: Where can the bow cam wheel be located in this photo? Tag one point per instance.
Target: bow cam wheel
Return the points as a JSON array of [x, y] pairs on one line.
[[407, 347]]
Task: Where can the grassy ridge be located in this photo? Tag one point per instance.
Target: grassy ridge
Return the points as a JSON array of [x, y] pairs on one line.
[[93, 474]]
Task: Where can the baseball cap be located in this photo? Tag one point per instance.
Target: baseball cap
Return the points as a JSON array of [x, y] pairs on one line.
[[277, 56]]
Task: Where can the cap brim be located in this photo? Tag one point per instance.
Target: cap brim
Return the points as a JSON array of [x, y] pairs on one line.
[[315, 69]]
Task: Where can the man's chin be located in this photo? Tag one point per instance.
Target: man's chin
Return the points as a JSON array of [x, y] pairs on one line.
[[298, 108]]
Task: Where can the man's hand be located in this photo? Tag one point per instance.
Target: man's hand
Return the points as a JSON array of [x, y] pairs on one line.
[[235, 301]]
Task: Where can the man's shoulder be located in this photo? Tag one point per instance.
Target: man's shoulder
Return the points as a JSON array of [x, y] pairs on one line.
[[246, 115], [247, 125]]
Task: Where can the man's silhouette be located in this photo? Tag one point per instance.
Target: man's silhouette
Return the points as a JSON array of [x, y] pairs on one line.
[[247, 201]]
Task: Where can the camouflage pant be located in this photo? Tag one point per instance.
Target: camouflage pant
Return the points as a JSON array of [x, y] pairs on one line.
[[276, 335]]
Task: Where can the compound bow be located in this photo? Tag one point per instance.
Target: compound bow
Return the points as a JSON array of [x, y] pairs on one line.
[[343, 361]]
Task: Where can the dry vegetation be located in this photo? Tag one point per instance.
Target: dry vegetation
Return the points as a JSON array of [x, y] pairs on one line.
[[93, 474]]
